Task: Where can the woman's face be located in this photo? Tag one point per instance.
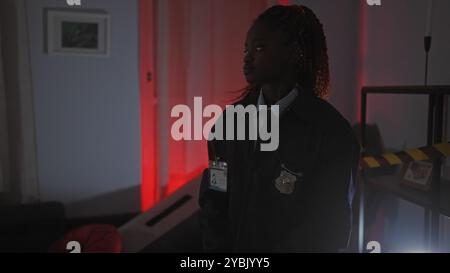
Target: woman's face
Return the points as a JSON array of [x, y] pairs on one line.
[[266, 55]]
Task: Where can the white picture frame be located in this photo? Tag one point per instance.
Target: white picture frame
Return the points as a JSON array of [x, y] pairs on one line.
[[418, 174], [78, 33]]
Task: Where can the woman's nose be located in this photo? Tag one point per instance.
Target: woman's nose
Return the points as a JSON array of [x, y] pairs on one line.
[[248, 58]]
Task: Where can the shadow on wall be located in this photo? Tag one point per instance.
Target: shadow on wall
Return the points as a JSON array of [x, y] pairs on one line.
[[124, 201]]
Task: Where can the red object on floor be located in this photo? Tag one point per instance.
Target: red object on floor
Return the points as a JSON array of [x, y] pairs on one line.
[[90, 239]]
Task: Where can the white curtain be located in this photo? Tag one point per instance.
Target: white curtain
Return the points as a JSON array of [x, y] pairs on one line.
[[18, 161], [200, 52]]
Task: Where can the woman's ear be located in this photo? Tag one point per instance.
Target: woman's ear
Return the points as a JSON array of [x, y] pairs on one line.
[[297, 56]]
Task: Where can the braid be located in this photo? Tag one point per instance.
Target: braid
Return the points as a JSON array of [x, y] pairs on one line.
[[304, 29], [318, 57]]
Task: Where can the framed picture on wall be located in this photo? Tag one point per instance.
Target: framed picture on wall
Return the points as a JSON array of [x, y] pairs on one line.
[[418, 174], [85, 33]]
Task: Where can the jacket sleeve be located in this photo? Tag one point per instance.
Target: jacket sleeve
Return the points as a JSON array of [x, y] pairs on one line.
[[214, 209], [328, 213]]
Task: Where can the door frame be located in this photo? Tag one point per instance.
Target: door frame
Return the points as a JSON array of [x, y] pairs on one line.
[[150, 187]]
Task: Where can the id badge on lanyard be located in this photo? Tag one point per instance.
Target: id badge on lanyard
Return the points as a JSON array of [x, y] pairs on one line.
[[218, 175]]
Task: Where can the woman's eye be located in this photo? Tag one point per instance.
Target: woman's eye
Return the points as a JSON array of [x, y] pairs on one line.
[[256, 48], [259, 48]]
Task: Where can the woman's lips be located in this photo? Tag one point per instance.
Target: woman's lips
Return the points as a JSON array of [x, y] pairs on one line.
[[248, 70]]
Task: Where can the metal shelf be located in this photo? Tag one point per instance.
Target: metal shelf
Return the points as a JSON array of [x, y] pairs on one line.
[[432, 201], [391, 185]]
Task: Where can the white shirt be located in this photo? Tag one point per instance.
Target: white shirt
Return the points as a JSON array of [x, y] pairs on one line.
[[283, 103]]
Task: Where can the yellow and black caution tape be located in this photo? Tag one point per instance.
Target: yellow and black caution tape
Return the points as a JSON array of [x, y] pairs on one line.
[[419, 154]]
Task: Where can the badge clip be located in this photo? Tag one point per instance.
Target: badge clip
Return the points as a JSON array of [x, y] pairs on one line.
[[218, 175]]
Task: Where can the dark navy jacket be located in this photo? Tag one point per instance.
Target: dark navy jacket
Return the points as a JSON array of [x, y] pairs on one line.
[[253, 216]]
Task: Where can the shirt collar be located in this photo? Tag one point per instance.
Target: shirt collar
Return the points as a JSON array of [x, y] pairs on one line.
[[282, 103]]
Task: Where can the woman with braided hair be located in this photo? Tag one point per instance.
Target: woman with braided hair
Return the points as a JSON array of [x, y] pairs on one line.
[[298, 197]]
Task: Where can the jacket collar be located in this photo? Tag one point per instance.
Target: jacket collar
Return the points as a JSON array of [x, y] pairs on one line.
[[305, 105], [283, 103]]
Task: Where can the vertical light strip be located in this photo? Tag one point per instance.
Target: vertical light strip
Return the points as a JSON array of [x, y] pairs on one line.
[[361, 77], [149, 182], [163, 47]]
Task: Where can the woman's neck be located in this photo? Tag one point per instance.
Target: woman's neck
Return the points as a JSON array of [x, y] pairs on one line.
[[275, 92]]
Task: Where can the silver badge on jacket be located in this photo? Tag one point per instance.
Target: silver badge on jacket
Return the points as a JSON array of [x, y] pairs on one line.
[[285, 183]]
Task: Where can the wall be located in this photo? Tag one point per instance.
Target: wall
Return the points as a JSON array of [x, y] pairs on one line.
[[340, 20], [389, 41], [395, 56], [87, 113]]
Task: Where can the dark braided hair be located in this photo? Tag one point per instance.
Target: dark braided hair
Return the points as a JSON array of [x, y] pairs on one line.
[[305, 31]]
